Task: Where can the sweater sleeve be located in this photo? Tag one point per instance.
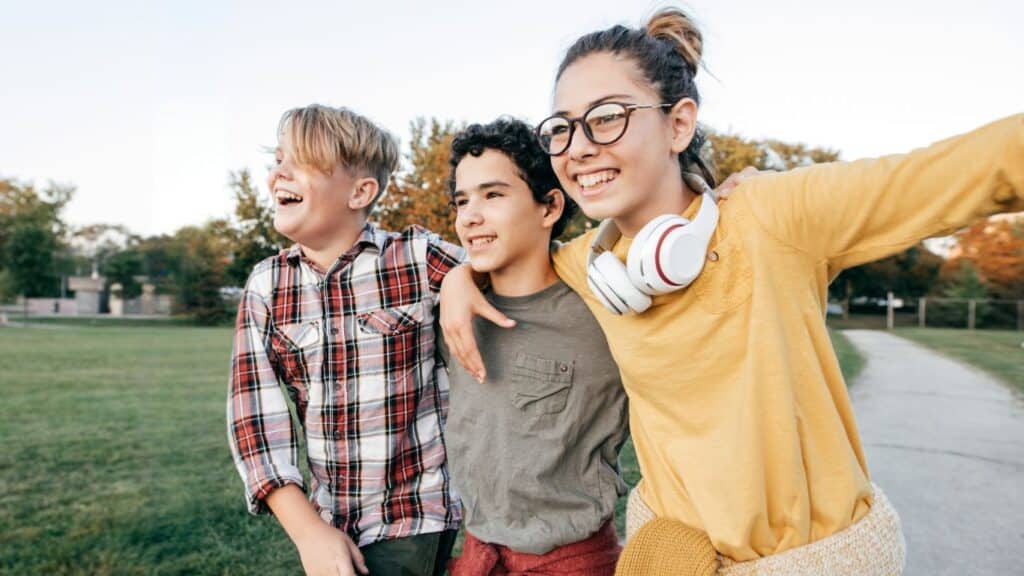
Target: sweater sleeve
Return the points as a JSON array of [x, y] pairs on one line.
[[850, 213]]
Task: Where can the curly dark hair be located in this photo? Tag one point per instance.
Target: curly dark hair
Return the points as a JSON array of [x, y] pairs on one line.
[[515, 139]]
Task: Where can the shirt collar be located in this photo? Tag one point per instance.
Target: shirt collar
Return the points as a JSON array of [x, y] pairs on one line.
[[369, 237]]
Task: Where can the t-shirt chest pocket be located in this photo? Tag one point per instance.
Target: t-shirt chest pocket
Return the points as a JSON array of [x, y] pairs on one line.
[[727, 280], [541, 385]]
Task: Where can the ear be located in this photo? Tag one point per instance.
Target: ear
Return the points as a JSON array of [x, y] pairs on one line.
[[554, 204], [683, 118], [363, 194]]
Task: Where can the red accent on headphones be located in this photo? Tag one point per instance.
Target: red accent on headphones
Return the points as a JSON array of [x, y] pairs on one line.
[[657, 261]]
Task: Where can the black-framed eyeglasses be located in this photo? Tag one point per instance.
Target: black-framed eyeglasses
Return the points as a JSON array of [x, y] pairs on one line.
[[604, 123]]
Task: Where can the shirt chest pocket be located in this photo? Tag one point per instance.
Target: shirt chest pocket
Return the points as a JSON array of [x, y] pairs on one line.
[[541, 385], [727, 280], [395, 321], [299, 349]]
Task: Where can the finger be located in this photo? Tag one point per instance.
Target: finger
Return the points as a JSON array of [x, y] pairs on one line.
[[488, 311], [357, 558], [748, 171], [470, 355], [344, 566]]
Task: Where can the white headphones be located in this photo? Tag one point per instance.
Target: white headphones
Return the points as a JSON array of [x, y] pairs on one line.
[[667, 255]]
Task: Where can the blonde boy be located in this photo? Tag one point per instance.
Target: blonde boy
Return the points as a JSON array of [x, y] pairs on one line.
[[343, 322]]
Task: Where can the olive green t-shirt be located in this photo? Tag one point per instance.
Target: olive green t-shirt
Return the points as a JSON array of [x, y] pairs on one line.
[[533, 451]]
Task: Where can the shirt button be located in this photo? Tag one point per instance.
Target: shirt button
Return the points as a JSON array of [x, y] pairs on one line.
[[713, 256], [334, 331], [563, 367]]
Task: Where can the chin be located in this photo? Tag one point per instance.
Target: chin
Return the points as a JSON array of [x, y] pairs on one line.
[[481, 267], [287, 229]]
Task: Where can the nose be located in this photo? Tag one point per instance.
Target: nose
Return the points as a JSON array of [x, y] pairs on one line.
[[579, 145], [469, 215], [280, 170]]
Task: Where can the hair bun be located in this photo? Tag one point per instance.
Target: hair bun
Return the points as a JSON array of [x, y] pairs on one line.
[[678, 28]]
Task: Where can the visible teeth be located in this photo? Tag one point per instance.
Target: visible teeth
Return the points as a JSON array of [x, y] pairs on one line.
[[481, 241], [589, 180], [284, 195]]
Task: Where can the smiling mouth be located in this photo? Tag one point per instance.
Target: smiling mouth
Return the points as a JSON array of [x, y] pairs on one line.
[[285, 198], [589, 182], [479, 241]]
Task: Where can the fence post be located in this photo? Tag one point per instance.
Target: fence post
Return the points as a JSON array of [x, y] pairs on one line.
[[890, 316], [971, 306], [921, 311]]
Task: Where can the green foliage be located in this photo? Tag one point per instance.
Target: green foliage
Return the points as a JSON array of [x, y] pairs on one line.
[[967, 283], [254, 237], [419, 193], [123, 268], [8, 289], [201, 273], [32, 236], [29, 257], [730, 153], [910, 274]]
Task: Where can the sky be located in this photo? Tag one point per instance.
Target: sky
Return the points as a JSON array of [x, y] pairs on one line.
[[146, 107]]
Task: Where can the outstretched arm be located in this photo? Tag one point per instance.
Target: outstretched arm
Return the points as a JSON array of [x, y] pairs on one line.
[[847, 214]]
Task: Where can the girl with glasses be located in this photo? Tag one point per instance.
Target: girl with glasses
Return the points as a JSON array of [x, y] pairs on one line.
[[741, 419]]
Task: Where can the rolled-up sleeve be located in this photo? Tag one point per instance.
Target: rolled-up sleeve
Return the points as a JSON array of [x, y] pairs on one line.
[[260, 429]]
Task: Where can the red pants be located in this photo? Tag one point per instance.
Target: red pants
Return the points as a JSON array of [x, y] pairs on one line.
[[595, 556]]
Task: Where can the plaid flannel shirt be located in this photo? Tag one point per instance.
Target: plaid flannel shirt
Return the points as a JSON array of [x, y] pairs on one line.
[[353, 347]]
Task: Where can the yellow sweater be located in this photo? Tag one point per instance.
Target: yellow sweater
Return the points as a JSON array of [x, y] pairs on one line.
[[739, 413]]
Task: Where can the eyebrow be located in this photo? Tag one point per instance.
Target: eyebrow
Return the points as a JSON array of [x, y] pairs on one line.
[[596, 102], [484, 186]]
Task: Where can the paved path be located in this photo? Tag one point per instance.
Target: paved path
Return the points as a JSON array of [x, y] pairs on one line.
[[946, 443]]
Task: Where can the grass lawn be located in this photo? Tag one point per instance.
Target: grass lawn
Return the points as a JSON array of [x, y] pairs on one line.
[[850, 360], [998, 352], [115, 456]]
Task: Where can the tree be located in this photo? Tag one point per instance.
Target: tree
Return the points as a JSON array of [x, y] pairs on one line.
[[254, 235], [123, 268], [730, 153], [911, 273], [95, 244], [29, 257], [419, 193], [32, 236], [995, 249], [205, 252]]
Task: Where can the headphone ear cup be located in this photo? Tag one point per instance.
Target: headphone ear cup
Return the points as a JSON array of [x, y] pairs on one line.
[[611, 283], [655, 270], [599, 288], [635, 264], [680, 253]]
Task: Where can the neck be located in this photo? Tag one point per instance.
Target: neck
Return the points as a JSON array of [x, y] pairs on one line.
[[324, 252], [673, 198], [528, 275]]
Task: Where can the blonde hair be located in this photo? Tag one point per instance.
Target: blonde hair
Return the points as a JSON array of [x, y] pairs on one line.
[[324, 137]]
